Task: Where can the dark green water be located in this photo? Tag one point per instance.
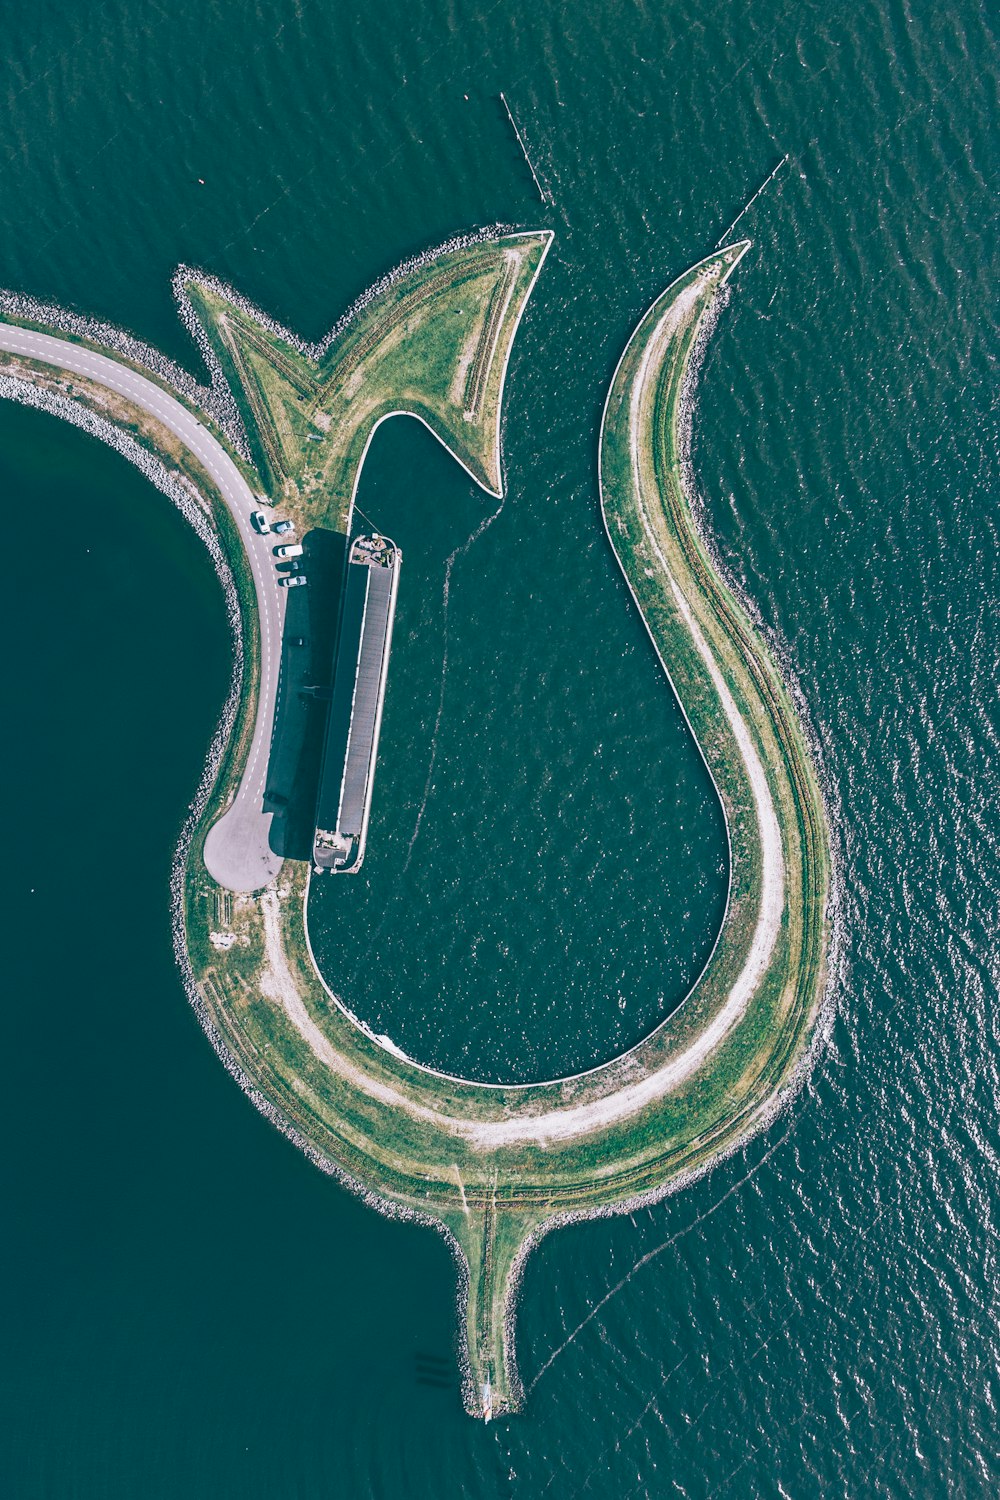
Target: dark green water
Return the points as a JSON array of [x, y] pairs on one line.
[[189, 1309]]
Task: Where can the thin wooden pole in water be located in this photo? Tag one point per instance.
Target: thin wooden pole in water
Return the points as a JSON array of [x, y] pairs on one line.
[[524, 150], [751, 201]]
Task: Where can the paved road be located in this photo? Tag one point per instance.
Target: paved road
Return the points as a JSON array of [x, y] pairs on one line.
[[237, 850]]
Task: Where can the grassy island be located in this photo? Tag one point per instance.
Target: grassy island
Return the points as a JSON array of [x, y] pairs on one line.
[[495, 1166]]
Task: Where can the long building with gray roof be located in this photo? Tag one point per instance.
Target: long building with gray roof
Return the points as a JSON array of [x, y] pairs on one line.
[[345, 792]]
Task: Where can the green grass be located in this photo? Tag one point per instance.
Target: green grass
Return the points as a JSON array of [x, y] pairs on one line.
[[433, 343]]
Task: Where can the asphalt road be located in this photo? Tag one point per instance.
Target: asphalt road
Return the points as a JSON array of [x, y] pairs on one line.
[[237, 851]]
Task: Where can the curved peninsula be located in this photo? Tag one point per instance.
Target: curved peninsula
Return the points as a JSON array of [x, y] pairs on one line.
[[494, 1167]]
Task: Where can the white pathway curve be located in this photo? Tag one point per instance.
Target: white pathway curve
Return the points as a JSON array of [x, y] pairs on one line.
[[237, 851]]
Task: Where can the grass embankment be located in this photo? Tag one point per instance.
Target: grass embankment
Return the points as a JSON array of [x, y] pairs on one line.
[[433, 343], [491, 1164], [436, 1145]]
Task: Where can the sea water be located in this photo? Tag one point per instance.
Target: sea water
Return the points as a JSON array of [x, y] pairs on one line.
[[191, 1309]]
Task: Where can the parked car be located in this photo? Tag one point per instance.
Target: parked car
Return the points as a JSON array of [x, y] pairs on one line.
[[291, 580], [290, 549], [259, 522], [280, 527]]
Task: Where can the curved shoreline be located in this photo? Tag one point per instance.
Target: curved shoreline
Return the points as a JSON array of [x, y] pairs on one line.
[[497, 1166]]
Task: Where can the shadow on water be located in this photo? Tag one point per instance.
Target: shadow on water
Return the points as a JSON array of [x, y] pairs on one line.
[[436, 1371], [307, 657]]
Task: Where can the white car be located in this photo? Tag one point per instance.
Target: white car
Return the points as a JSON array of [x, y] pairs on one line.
[[291, 580], [259, 522], [290, 549]]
